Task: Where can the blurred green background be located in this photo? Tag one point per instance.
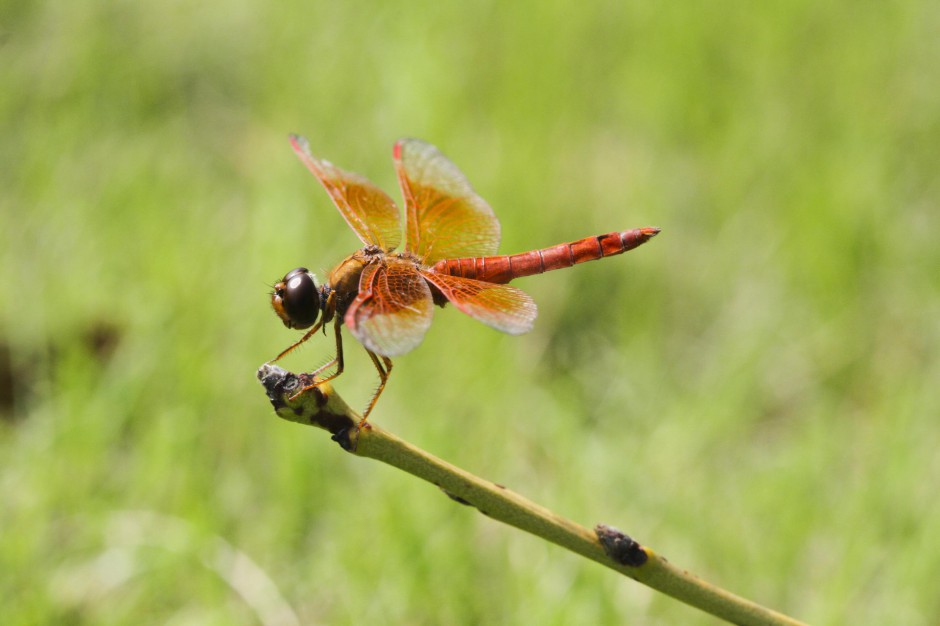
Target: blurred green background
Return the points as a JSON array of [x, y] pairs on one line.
[[753, 394]]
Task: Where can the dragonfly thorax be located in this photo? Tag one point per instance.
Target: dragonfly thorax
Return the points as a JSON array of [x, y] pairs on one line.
[[344, 279]]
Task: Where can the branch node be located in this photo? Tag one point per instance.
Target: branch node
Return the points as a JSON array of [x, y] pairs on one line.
[[620, 547]]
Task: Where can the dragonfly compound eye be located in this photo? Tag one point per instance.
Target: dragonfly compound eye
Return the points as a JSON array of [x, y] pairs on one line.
[[296, 299]]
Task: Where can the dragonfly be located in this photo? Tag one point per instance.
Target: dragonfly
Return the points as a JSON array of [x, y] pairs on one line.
[[386, 296]]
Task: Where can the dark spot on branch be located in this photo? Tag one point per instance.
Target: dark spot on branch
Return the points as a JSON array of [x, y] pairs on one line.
[[620, 547], [342, 437], [455, 497], [460, 500]]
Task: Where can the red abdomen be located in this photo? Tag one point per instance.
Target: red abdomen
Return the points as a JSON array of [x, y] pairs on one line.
[[502, 269]]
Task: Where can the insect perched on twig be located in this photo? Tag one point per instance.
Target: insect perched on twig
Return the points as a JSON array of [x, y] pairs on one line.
[[386, 297]]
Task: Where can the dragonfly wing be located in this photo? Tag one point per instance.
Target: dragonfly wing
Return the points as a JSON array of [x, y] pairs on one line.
[[503, 307], [368, 210], [393, 309], [444, 217]]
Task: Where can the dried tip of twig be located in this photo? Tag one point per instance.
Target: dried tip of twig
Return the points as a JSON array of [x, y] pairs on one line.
[[620, 547], [278, 383], [317, 406]]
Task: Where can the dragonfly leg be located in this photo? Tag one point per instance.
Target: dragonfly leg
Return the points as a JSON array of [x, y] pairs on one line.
[[336, 360], [383, 366], [306, 336]]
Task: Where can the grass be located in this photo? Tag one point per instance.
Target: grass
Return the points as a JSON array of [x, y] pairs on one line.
[[752, 393]]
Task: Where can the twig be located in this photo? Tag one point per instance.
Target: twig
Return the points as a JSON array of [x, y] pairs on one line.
[[322, 407]]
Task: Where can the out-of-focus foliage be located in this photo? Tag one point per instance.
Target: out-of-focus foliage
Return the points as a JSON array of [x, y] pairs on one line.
[[753, 393]]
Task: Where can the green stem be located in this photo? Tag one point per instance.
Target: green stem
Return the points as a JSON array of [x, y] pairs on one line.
[[321, 406]]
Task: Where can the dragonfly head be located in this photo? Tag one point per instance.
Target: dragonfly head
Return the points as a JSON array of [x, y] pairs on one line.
[[296, 299]]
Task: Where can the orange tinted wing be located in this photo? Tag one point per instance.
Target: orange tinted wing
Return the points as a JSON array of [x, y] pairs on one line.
[[503, 307], [444, 217], [367, 209], [393, 310]]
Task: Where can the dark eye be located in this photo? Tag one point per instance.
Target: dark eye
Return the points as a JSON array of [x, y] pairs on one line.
[[296, 299]]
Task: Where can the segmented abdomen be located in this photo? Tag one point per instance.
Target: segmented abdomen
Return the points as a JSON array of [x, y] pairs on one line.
[[502, 269]]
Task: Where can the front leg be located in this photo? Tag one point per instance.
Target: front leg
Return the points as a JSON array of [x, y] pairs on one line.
[[306, 336], [336, 360]]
